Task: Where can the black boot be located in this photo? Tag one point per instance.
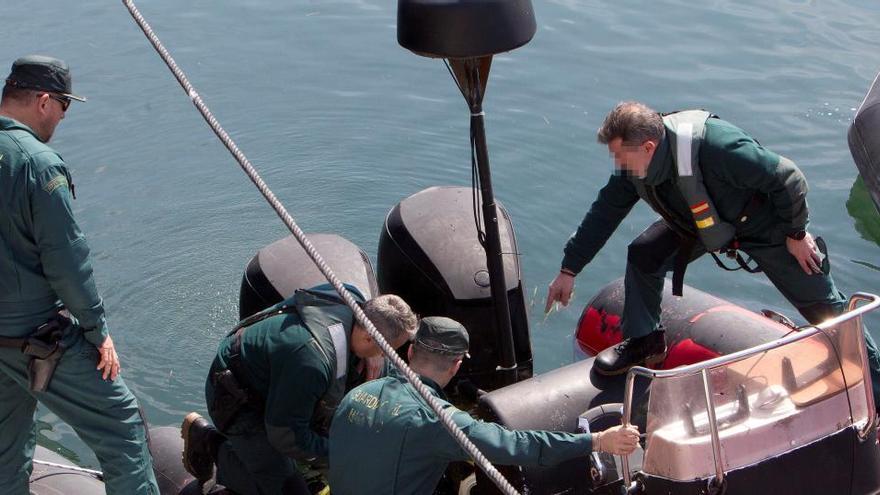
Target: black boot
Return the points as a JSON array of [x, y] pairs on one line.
[[649, 350], [200, 444]]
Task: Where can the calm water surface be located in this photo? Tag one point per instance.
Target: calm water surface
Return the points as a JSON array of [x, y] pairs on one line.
[[343, 124]]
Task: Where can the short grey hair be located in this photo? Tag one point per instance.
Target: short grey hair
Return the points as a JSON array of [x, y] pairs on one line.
[[632, 122], [392, 317], [439, 361]]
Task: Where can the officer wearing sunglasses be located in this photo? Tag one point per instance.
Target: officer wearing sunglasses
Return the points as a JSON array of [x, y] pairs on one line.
[[55, 345]]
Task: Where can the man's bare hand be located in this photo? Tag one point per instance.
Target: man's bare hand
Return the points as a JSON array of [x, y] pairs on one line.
[[806, 253], [109, 362], [559, 291], [618, 440]]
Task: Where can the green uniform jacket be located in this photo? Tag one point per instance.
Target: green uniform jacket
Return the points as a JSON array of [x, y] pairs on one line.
[[44, 258], [735, 167], [386, 439], [285, 365]]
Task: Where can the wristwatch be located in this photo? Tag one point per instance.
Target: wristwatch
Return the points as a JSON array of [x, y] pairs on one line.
[[797, 235]]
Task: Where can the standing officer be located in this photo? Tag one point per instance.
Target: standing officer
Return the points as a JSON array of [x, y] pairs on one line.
[[716, 188], [275, 383], [54, 342], [386, 439]]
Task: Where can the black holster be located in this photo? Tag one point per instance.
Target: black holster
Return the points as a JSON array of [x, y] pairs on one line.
[[229, 398], [45, 350]]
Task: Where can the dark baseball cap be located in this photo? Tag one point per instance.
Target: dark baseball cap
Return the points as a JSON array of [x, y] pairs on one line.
[[42, 73], [443, 335]]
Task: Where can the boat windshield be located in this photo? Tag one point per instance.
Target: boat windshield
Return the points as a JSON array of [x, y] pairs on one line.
[[765, 403]]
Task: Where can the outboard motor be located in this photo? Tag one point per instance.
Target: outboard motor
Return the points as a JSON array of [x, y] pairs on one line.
[[280, 268], [699, 327], [430, 255], [864, 141]]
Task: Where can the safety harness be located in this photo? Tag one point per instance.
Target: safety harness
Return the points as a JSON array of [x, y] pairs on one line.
[[686, 130], [332, 339]]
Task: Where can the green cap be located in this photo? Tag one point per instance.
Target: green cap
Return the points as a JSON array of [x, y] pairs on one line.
[[443, 335], [42, 73]]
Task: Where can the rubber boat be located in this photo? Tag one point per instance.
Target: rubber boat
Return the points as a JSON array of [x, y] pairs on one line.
[[745, 402]]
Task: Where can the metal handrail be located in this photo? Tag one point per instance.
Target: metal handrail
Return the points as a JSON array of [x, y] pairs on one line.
[[702, 367], [866, 370], [713, 426]]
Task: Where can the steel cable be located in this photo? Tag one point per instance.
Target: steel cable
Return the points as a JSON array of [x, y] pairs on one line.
[[97, 474], [444, 415]]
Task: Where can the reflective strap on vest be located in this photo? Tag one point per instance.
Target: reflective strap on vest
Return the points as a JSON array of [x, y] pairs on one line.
[[684, 135], [340, 343], [687, 129]]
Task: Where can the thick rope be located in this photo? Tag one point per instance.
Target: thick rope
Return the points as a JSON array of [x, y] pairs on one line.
[[390, 353]]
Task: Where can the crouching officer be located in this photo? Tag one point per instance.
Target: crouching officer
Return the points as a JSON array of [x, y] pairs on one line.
[[275, 384], [386, 439], [48, 354]]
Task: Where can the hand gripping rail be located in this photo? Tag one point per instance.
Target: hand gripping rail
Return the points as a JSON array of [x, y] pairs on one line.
[[853, 310], [254, 176]]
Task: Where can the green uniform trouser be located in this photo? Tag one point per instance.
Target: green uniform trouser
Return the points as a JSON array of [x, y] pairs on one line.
[[247, 463], [104, 414], [652, 254]]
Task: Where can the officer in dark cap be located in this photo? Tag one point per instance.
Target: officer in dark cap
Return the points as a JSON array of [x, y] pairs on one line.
[[55, 345], [385, 439]]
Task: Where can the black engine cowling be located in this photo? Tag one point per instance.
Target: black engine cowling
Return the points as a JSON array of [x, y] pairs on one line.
[[280, 268], [430, 254]]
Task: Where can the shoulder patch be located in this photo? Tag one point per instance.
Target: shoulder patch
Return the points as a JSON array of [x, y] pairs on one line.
[[52, 185]]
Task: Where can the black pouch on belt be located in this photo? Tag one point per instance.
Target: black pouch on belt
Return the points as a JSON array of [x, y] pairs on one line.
[[229, 398], [45, 350]]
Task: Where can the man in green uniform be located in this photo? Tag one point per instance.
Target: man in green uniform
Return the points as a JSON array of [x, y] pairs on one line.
[[51, 316], [716, 188], [386, 439], [275, 384]]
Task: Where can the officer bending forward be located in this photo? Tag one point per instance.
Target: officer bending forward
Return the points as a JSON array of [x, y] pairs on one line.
[[275, 384], [385, 439]]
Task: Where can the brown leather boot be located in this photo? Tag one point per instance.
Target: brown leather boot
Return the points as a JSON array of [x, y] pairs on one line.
[[200, 444]]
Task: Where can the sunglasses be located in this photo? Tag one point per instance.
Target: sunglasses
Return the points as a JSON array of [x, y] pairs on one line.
[[65, 101]]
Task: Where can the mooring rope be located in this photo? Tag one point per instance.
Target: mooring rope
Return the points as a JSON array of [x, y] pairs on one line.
[[445, 416]]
